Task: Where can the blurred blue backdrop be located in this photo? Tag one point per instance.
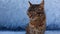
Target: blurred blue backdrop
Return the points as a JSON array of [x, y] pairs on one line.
[[13, 13]]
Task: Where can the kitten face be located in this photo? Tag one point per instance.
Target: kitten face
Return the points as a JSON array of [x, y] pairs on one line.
[[35, 10]]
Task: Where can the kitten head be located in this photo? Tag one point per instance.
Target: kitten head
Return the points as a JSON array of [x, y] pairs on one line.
[[35, 10]]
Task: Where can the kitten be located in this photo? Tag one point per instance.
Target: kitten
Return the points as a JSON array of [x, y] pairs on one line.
[[37, 17]]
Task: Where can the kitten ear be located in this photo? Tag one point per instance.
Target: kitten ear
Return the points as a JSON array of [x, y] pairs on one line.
[[42, 3], [30, 3]]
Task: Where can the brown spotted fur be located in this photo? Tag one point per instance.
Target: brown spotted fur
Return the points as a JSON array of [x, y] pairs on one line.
[[37, 17]]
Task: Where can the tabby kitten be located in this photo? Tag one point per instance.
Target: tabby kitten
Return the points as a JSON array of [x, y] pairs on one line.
[[37, 17]]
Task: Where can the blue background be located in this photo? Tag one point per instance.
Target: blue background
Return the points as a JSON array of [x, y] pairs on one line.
[[14, 13]]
